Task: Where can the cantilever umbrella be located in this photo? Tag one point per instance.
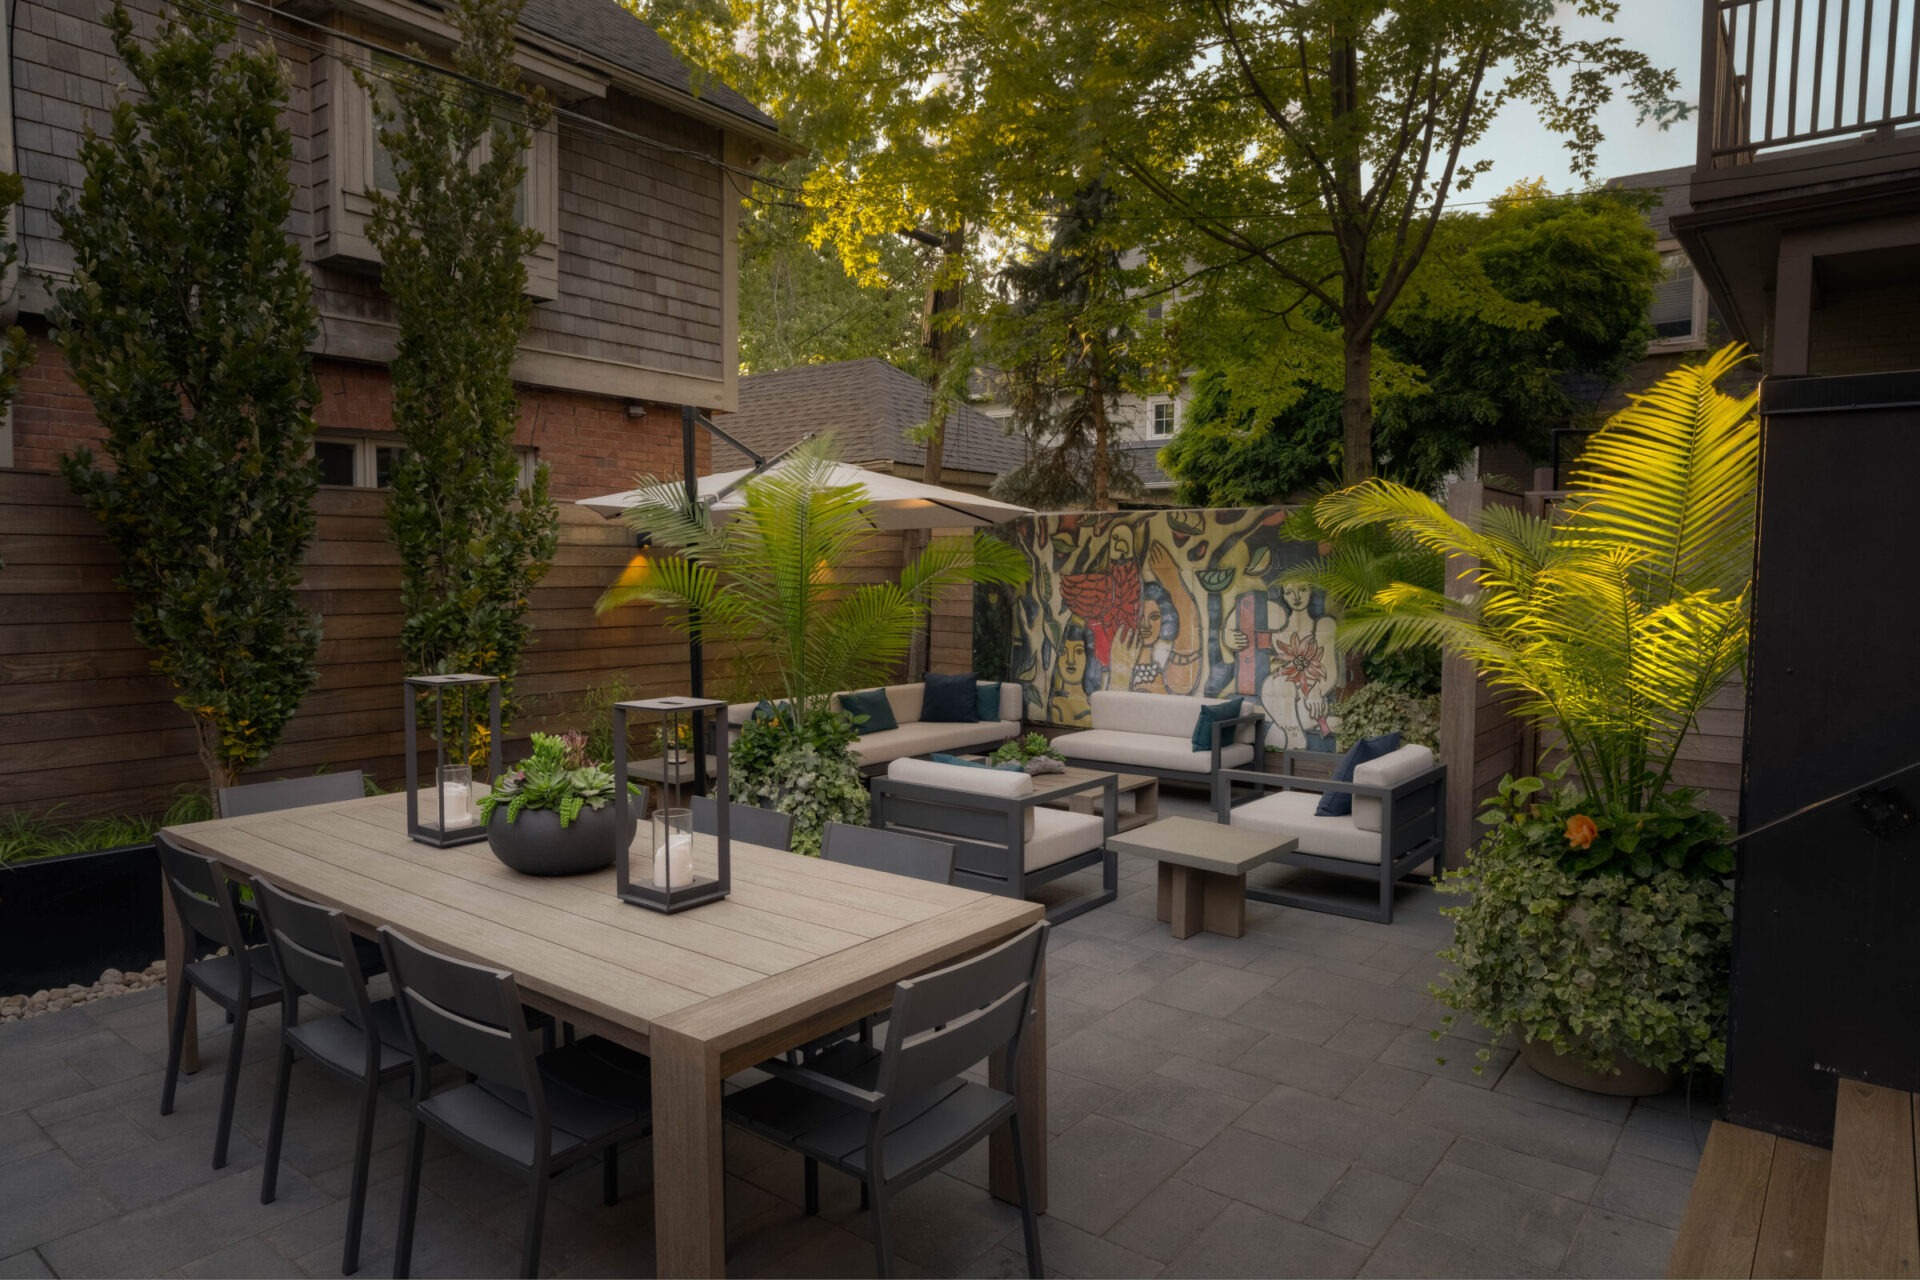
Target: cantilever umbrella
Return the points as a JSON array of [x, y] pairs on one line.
[[893, 502]]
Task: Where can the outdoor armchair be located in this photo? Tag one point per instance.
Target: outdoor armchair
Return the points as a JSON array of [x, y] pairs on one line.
[[1004, 839], [1398, 822]]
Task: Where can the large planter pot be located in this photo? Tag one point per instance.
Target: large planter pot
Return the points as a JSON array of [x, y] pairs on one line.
[[69, 919], [537, 845], [1625, 1079]]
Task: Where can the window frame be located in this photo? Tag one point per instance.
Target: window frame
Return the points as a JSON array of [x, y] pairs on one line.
[[346, 169], [366, 458], [1153, 418], [1696, 339]]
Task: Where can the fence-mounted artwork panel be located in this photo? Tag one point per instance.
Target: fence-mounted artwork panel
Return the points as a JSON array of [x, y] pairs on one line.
[[1186, 603]]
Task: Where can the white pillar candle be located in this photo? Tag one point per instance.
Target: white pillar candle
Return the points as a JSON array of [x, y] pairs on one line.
[[456, 802], [675, 857]]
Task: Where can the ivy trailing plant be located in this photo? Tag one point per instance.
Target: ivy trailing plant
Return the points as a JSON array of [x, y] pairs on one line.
[[1028, 750], [801, 766], [1596, 940], [559, 776], [1389, 706], [187, 322], [472, 545]]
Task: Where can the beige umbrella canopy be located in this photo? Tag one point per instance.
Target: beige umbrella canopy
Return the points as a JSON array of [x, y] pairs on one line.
[[893, 502]]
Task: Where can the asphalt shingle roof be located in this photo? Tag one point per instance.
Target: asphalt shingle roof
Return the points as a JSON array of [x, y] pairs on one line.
[[612, 33], [869, 406], [1673, 186]]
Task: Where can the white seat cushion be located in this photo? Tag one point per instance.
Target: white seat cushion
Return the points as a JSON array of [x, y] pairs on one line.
[[1160, 714], [919, 738], [1156, 751], [1390, 770], [1058, 835], [1290, 813]]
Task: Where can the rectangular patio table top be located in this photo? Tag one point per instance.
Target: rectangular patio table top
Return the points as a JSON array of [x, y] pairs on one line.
[[801, 947]]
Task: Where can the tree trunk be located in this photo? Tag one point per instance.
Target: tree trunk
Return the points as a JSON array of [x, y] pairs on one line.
[[938, 334], [219, 772], [1356, 412], [1102, 439]]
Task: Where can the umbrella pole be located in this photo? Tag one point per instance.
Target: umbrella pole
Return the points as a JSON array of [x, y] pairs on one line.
[[696, 673]]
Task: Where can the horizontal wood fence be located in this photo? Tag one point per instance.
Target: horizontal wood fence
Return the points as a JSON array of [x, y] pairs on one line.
[[87, 726]]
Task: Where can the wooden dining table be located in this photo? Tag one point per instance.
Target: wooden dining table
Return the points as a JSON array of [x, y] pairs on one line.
[[798, 948]]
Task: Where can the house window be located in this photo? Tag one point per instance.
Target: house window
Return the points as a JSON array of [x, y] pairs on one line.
[[1156, 310], [366, 462], [1163, 417], [355, 163], [1679, 302]]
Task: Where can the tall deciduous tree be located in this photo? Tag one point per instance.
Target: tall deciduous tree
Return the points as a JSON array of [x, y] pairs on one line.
[[452, 249], [187, 321], [1539, 288]]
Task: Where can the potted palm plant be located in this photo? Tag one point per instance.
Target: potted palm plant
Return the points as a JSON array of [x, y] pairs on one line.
[[769, 586], [1595, 919]]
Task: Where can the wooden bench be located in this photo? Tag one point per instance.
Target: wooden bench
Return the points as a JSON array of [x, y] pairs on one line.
[[1769, 1206]]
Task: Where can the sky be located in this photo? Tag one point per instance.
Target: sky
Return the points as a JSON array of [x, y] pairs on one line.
[[1668, 31]]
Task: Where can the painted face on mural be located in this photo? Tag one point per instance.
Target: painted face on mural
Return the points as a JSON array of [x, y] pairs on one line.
[[1297, 595], [1073, 659], [1158, 620]]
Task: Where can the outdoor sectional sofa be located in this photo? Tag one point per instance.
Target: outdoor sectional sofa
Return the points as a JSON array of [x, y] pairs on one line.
[[1152, 733], [916, 737]]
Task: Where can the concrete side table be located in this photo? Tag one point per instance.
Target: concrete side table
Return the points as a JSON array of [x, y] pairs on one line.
[[1203, 870]]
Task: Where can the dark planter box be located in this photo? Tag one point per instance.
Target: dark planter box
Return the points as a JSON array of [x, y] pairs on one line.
[[68, 919]]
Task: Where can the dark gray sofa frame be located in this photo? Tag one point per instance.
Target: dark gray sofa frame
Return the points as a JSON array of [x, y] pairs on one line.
[[988, 834], [1412, 830]]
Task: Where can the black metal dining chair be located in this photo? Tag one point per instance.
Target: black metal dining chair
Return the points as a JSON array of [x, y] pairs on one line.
[[746, 823], [239, 982], [530, 1112], [889, 1117], [363, 1043], [889, 851], [290, 793]]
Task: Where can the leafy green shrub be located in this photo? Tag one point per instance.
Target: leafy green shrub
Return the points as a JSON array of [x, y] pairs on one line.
[[1572, 931], [802, 767], [558, 776], [1387, 707]]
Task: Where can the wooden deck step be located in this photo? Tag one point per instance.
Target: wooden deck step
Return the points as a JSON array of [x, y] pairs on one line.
[[1758, 1208], [1873, 1201], [1721, 1231]]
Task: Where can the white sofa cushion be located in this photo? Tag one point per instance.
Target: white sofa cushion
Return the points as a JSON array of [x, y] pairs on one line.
[[1290, 813], [1058, 835], [1390, 770], [1010, 702], [1160, 714], [1004, 784], [919, 738], [1155, 751]]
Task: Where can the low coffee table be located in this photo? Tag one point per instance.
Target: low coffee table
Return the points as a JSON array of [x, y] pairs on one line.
[[1203, 870], [1145, 789]]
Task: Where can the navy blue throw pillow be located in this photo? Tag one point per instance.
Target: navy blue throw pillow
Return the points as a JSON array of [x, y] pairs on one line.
[[1338, 804], [950, 699], [873, 705]]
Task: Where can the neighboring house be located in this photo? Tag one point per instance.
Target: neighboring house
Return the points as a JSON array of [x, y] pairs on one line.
[[634, 282], [636, 189], [875, 412]]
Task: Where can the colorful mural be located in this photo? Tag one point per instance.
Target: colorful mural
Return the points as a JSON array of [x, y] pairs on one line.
[[1186, 603]]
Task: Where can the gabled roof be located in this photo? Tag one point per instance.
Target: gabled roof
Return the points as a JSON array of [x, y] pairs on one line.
[[1672, 184], [614, 34], [870, 407]]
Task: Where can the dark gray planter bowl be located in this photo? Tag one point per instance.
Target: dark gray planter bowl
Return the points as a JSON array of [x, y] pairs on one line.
[[536, 845]]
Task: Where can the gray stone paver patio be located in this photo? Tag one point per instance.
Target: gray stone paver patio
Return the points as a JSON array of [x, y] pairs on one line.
[[1270, 1105]]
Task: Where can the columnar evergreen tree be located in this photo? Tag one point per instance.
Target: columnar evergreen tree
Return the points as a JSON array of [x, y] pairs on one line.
[[1069, 342], [451, 245], [187, 321]]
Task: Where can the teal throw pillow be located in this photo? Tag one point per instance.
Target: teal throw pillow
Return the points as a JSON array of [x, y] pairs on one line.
[[986, 699], [1210, 716], [871, 711]]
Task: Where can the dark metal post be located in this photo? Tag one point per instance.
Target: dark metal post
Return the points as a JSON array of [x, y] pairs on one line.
[[696, 673]]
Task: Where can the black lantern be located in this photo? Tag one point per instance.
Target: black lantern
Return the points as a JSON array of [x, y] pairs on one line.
[[453, 804], [672, 881]]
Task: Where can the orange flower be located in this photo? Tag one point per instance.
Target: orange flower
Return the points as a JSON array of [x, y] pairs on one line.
[[1581, 831]]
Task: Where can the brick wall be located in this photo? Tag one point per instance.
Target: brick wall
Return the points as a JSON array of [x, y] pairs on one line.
[[590, 443]]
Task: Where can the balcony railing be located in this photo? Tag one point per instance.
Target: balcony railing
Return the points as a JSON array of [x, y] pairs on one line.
[[1783, 73]]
